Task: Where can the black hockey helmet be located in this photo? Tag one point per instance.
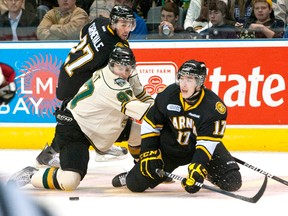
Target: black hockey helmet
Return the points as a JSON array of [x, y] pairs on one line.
[[195, 68], [121, 12], [123, 56]]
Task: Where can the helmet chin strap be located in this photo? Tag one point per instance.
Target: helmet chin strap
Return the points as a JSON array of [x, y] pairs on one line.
[[194, 97]]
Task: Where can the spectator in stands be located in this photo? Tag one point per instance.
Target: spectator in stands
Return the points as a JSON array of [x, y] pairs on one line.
[[28, 5], [241, 10], [197, 16], [85, 4], [220, 29], [3, 7], [141, 31], [168, 28], [101, 8], [281, 10], [62, 23], [17, 23], [143, 6], [44, 6], [262, 23], [50, 4]]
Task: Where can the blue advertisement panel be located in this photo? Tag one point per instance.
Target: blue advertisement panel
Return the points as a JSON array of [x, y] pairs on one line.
[[37, 67]]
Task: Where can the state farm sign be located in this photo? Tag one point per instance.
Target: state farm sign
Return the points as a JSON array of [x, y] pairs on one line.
[[252, 81]]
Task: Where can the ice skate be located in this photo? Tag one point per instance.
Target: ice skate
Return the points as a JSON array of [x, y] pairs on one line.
[[119, 180], [48, 157], [114, 153], [23, 177]]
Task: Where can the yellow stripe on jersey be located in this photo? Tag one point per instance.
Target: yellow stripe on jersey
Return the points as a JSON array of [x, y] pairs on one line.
[[148, 135], [147, 98], [110, 30], [205, 150], [187, 106], [209, 138], [151, 124], [123, 109], [141, 94], [148, 129]]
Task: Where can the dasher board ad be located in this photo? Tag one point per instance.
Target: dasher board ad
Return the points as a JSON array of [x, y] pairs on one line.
[[250, 76]]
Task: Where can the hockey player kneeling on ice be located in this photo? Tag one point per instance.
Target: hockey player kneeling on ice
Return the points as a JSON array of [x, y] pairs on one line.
[[96, 115], [97, 40], [185, 126]]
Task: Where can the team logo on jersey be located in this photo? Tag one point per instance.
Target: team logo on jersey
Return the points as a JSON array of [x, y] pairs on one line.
[[123, 97], [220, 107], [173, 107], [121, 82]]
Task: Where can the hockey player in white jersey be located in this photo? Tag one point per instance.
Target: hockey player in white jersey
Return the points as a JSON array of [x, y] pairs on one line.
[[97, 115], [97, 40]]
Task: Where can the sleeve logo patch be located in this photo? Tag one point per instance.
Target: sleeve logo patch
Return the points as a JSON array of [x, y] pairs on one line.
[[220, 107], [173, 107]]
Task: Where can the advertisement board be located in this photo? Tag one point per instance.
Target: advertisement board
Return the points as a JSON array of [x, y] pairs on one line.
[[250, 76]]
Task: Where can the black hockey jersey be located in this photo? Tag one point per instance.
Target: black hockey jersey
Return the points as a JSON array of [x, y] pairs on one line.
[[92, 53], [178, 129]]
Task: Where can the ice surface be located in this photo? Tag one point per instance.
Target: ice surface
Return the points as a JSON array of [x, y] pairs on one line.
[[98, 197]]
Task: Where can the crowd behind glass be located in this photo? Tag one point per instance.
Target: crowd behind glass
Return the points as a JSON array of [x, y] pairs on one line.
[[23, 20]]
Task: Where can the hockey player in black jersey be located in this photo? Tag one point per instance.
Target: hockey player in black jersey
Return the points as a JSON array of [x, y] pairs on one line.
[[97, 40], [185, 126]]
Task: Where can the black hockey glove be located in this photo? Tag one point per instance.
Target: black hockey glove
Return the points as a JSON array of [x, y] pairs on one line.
[[195, 178], [7, 93], [149, 162]]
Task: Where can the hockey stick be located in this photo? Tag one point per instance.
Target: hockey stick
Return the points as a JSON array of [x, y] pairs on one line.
[[261, 171], [253, 199]]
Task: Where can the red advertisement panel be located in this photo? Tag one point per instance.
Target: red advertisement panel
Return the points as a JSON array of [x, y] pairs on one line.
[[252, 81]]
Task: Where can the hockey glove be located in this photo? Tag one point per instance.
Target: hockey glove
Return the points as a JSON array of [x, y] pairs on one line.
[[7, 93], [195, 178], [149, 162]]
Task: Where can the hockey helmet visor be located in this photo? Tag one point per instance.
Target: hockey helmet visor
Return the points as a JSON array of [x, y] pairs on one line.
[[193, 68], [123, 56], [123, 15]]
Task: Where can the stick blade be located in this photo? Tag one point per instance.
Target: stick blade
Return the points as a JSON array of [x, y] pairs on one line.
[[261, 191], [253, 199]]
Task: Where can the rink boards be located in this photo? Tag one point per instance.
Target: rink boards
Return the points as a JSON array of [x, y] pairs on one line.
[[236, 139], [250, 76]]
